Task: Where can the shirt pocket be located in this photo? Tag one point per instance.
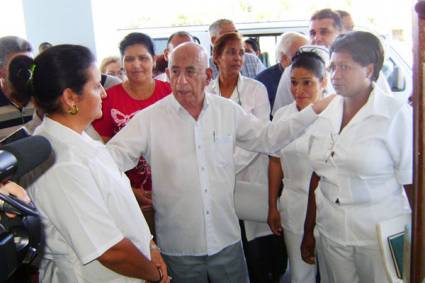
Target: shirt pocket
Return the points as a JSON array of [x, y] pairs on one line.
[[223, 150]]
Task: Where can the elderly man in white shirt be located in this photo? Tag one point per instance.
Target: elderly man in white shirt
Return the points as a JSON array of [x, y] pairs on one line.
[[189, 139]]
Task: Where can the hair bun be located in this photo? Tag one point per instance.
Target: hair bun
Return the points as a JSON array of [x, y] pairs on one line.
[[20, 74]]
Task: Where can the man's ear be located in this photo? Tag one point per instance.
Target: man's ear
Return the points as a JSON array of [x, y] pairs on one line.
[[324, 83], [166, 52], [167, 71], [369, 71], [209, 74], [213, 39], [285, 60], [3, 72]]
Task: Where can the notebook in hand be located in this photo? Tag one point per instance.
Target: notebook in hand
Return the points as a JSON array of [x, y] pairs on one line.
[[391, 240], [395, 243]]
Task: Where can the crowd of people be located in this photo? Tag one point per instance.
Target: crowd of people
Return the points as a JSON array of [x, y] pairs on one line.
[[319, 132]]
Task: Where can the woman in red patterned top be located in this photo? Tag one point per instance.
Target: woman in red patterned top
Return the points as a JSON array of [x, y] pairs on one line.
[[139, 91]]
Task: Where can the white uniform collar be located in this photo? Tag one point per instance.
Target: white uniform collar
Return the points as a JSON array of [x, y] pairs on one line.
[[67, 136], [378, 104]]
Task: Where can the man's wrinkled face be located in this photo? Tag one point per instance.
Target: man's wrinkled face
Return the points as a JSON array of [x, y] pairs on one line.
[[188, 75]]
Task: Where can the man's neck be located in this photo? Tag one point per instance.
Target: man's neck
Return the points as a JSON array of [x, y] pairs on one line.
[[194, 108]]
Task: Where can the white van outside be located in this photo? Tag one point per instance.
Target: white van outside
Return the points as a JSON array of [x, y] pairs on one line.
[[397, 68]]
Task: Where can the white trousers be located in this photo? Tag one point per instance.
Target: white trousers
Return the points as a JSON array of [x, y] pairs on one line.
[[301, 272], [350, 264]]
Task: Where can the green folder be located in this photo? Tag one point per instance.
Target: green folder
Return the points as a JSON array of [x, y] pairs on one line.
[[396, 247]]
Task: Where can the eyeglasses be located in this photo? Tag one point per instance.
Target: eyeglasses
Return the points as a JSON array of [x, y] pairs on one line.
[[119, 73]]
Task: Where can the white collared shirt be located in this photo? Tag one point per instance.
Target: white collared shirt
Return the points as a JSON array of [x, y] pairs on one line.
[[250, 166], [86, 206], [297, 172], [363, 168], [193, 171]]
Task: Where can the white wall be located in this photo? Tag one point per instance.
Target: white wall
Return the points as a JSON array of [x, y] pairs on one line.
[[58, 22]]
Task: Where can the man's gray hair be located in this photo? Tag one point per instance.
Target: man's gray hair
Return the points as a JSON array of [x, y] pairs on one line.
[[214, 28], [285, 42], [12, 44]]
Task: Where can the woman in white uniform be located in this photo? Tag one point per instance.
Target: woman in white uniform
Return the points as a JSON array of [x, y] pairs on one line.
[[308, 83], [250, 167], [94, 229], [361, 149]]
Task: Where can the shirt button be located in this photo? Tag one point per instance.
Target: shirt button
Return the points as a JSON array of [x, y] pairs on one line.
[[199, 147], [208, 212], [205, 190], [202, 168]]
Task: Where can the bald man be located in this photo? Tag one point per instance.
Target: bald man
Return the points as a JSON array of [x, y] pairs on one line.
[[189, 139]]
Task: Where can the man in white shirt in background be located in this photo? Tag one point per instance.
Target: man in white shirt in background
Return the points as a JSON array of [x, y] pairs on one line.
[[251, 63], [189, 139]]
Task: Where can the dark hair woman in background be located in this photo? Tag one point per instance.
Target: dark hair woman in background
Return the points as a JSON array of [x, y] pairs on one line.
[[139, 91], [93, 226]]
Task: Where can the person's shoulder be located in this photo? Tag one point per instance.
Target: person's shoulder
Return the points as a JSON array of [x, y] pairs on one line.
[[217, 99], [270, 71], [117, 89], [388, 105], [251, 58], [162, 89], [162, 85], [253, 84], [285, 110], [110, 81]]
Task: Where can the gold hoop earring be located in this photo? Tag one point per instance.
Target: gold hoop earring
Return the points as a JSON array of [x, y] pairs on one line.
[[73, 110]]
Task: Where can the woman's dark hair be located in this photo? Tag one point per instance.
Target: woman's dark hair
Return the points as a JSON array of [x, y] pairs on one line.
[[49, 74], [364, 47], [310, 61], [221, 42], [137, 38], [254, 44]]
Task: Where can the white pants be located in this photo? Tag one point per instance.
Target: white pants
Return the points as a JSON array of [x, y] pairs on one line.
[[350, 264], [301, 272]]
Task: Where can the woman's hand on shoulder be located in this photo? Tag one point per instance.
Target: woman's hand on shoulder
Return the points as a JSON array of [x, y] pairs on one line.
[[321, 105]]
